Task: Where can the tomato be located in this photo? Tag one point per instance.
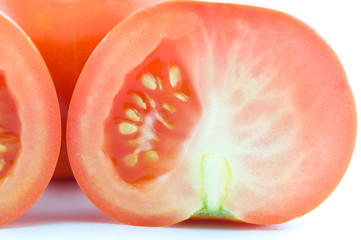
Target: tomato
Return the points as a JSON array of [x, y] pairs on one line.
[[66, 32], [29, 123], [193, 109]]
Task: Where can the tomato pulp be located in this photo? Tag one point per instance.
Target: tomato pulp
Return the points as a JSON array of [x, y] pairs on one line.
[[29, 123], [216, 110], [66, 32]]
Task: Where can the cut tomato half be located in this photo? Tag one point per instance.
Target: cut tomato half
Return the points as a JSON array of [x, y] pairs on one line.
[[210, 110], [66, 32], [29, 123]]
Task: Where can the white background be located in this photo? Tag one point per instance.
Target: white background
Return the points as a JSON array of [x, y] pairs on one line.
[[63, 212]]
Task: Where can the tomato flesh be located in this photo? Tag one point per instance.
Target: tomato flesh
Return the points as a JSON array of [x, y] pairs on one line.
[[151, 117], [9, 129]]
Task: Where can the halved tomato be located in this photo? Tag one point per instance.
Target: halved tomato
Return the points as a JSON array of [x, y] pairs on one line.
[[29, 123], [66, 32], [211, 110]]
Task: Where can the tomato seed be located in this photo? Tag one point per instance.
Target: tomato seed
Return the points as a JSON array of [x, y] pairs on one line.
[[2, 148], [148, 81], [126, 128], [130, 160], [133, 143], [151, 156], [159, 82], [162, 121], [174, 76], [181, 96], [2, 164], [139, 101], [132, 115], [169, 108]]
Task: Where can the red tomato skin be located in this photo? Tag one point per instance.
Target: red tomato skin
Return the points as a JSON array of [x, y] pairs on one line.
[[27, 78], [178, 197], [66, 32]]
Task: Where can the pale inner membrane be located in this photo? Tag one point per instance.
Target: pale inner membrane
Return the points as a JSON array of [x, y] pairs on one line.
[[246, 125]]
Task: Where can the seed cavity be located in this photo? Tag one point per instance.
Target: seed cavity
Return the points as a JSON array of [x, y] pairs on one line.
[[3, 148], [130, 160], [181, 96], [174, 76], [139, 101], [149, 81], [151, 156], [126, 128], [169, 108], [143, 123], [132, 115]]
